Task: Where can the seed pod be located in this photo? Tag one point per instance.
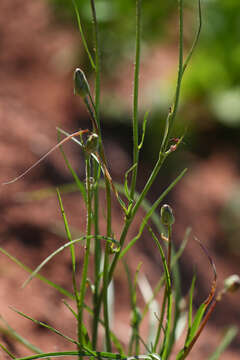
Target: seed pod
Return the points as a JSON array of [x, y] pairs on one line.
[[81, 86], [232, 283], [167, 215], [91, 143]]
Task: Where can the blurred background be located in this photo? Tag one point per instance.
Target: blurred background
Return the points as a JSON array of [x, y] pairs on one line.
[[40, 48]]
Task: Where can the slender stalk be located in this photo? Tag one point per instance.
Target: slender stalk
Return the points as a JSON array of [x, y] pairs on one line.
[[106, 280], [180, 62], [96, 174], [173, 110], [108, 189], [160, 324], [169, 247], [165, 296], [135, 96], [82, 34], [97, 60], [97, 250], [74, 282], [168, 291], [86, 256]]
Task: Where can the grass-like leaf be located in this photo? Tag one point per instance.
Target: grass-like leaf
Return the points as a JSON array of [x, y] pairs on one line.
[[16, 336], [82, 34], [94, 354], [7, 351], [63, 247], [45, 325], [57, 287]]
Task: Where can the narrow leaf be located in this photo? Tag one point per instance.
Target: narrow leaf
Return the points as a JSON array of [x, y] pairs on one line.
[[45, 325], [40, 277]]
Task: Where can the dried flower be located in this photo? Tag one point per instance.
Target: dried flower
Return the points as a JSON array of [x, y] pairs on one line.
[[232, 283]]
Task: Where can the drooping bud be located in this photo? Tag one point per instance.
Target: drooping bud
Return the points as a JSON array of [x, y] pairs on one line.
[[232, 283], [91, 143], [81, 86], [167, 215]]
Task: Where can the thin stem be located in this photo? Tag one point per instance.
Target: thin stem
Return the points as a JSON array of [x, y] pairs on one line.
[[97, 61], [82, 34], [195, 41], [173, 110], [160, 324], [168, 291], [97, 247], [108, 194], [165, 296], [106, 280], [169, 247], [135, 96], [86, 256], [180, 62], [72, 249]]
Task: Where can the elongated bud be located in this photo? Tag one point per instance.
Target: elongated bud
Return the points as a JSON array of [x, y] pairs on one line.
[[167, 215], [91, 143], [81, 86], [232, 283]]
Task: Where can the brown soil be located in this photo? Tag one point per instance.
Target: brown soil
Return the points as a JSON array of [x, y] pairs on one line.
[[36, 62]]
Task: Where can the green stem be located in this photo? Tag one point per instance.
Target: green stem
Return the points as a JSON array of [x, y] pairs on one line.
[[97, 61], [108, 196], [106, 280], [173, 110], [96, 172], [165, 296], [168, 292], [69, 236], [86, 256], [135, 97], [82, 34], [160, 324], [97, 251]]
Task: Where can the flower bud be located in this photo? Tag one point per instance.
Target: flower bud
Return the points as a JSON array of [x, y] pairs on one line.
[[232, 283], [81, 86], [91, 143], [167, 215]]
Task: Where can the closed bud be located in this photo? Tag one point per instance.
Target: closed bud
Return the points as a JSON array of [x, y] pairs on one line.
[[167, 215], [91, 143], [232, 283], [81, 86]]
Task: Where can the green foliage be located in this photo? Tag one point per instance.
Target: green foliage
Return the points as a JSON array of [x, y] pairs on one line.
[[102, 246]]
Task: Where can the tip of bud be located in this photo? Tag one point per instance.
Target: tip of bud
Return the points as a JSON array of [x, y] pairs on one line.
[[232, 283], [81, 86], [167, 215]]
